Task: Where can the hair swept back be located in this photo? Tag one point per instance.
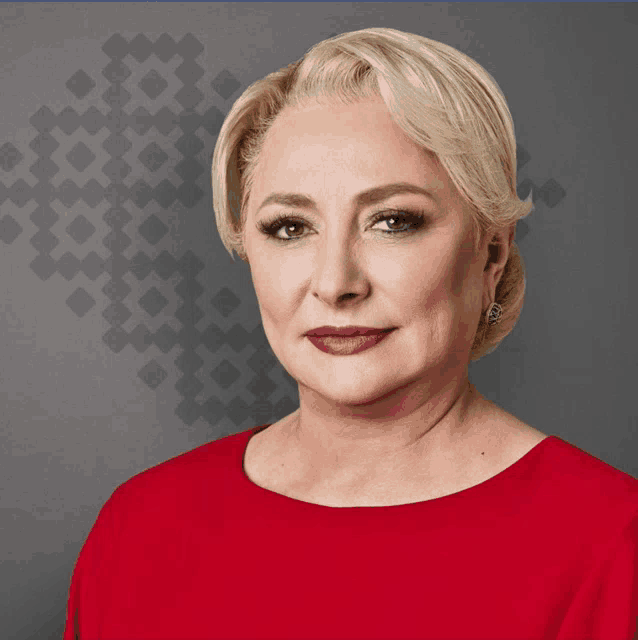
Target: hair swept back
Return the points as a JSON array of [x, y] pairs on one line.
[[441, 98]]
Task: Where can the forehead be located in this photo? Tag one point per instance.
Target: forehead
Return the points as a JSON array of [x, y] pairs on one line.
[[360, 140]]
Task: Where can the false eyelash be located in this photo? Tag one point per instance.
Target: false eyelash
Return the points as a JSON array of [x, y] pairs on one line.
[[414, 218]]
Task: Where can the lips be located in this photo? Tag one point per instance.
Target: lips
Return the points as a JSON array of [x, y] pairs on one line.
[[349, 344], [350, 331]]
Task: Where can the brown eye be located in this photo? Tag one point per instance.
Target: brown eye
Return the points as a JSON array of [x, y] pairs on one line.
[[292, 225], [398, 223], [394, 221], [292, 228]]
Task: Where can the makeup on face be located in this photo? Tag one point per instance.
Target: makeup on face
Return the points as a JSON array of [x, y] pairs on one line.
[[352, 223], [348, 345]]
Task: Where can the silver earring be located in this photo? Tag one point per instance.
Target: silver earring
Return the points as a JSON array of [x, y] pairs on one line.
[[493, 314]]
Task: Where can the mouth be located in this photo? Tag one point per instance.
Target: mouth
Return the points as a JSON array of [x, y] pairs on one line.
[[349, 332], [348, 345]]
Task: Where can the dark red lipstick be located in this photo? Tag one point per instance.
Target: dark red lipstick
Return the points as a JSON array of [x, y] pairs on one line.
[[346, 341]]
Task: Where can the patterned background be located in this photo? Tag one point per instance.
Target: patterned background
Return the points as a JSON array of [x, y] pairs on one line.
[[129, 334], [83, 170]]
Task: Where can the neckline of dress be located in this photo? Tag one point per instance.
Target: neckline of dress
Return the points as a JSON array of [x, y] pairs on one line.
[[501, 476]]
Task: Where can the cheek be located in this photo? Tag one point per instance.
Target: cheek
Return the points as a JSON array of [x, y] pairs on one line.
[[275, 287], [461, 275], [463, 268], [268, 290], [444, 294], [436, 281]]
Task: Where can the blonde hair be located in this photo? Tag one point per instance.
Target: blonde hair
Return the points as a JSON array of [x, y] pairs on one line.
[[443, 100]]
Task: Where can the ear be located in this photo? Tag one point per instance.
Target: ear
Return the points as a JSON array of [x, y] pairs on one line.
[[498, 251]]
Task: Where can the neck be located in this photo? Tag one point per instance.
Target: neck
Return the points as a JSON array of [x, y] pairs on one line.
[[414, 425]]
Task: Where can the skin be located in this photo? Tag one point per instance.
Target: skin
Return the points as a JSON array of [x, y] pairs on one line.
[[405, 408]]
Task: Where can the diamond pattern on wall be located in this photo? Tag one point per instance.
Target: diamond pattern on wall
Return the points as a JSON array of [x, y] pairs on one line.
[[44, 144], [225, 84], [80, 84], [80, 229], [68, 120], [140, 48], [115, 111], [9, 156], [152, 84], [225, 374], [80, 302], [153, 157], [153, 229], [68, 266], [522, 157], [225, 302], [80, 157], [116, 71], [552, 193], [153, 302], [153, 374], [44, 168], [9, 229]]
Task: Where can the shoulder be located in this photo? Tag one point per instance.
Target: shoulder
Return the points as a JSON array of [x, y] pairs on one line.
[[181, 481], [564, 477], [567, 462], [596, 481], [587, 503]]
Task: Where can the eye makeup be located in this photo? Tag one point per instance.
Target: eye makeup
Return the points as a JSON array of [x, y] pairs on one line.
[[406, 217]]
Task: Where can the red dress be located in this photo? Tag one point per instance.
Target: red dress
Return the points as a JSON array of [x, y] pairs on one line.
[[192, 549]]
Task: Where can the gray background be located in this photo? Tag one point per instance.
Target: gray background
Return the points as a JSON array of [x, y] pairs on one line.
[[128, 334]]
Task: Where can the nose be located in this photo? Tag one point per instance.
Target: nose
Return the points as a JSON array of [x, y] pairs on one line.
[[338, 274]]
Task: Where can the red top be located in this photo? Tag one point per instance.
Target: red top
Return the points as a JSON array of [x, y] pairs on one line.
[[192, 549]]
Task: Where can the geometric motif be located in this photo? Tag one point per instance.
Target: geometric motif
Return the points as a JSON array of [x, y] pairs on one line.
[[123, 124], [551, 193]]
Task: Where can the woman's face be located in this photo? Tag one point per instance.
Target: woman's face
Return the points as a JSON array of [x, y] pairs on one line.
[[334, 263]]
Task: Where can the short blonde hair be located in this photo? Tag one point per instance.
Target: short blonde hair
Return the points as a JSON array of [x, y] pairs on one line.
[[443, 100]]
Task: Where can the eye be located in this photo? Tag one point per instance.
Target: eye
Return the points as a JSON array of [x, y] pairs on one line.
[[288, 229], [400, 219], [290, 226]]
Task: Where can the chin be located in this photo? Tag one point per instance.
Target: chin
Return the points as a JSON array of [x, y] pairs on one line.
[[353, 390]]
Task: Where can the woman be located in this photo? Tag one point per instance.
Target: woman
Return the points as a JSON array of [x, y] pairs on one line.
[[371, 187]]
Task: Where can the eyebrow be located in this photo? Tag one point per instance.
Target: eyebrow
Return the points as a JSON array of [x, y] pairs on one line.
[[368, 197]]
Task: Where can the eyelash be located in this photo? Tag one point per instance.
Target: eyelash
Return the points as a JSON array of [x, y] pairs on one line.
[[414, 218]]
